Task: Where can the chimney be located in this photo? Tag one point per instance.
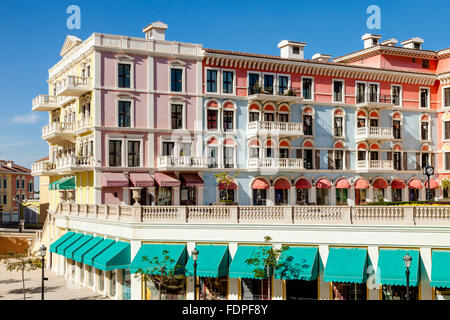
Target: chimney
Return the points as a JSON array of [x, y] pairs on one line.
[[320, 57], [291, 49], [9, 163], [413, 43], [155, 31], [370, 40], [390, 42]]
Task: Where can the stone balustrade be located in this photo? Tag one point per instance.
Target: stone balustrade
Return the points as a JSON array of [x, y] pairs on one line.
[[58, 127], [275, 128], [374, 133], [181, 162], [279, 163]]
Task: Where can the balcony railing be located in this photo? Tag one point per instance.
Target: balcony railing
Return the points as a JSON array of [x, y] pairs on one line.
[[73, 86], [275, 128], [59, 132], [374, 133], [42, 168], [84, 123], [276, 163], [288, 215], [45, 103], [276, 94], [375, 165], [74, 163], [181, 162], [372, 99]]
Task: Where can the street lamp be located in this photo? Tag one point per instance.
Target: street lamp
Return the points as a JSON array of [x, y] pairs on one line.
[[428, 171], [407, 258], [43, 250], [18, 201], [195, 257]]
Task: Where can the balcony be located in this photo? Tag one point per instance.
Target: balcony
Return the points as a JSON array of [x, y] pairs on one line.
[[275, 163], [180, 162], [59, 132], [294, 129], [374, 134], [290, 94], [73, 86], [72, 163], [379, 101], [42, 168], [44, 103], [374, 165], [84, 125]]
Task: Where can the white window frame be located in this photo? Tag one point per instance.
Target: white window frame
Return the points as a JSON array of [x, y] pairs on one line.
[[183, 114], [428, 98], [313, 116], [218, 80], [218, 115], [231, 146], [123, 149], [168, 139], [177, 64], [401, 95], [118, 99], [277, 81], [429, 128], [343, 116], [378, 90], [141, 153], [444, 168], [233, 92], [343, 90], [401, 126], [222, 109], [365, 90], [124, 59], [443, 96], [312, 88], [248, 79], [274, 75]]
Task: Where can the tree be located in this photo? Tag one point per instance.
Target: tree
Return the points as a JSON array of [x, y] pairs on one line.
[[225, 178], [266, 262], [445, 184], [21, 262]]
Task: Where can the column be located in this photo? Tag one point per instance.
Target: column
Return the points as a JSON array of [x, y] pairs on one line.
[[370, 195], [373, 289], [233, 283], [351, 196], [176, 196], [152, 192], [405, 195], [190, 280], [324, 287], [108, 280], [136, 284], [119, 292], [200, 196], [293, 196], [313, 195], [423, 194], [333, 195], [426, 291], [126, 196], [277, 287], [388, 195], [271, 200]]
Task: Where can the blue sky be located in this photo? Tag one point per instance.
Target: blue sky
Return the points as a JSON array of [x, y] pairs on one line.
[[33, 32]]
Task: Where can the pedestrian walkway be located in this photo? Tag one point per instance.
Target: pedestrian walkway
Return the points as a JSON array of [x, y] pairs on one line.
[[56, 288]]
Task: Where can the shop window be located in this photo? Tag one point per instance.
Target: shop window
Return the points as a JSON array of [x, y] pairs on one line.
[[302, 196], [213, 288], [90, 276], [281, 196], [378, 195], [188, 196], [341, 196], [259, 197], [112, 281], [323, 197], [126, 285], [226, 195], [349, 291], [360, 196], [399, 293], [396, 195], [172, 288], [413, 194], [301, 290], [442, 294], [164, 196], [254, 289]]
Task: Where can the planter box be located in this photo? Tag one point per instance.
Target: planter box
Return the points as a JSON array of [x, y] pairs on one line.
[[225, 203]]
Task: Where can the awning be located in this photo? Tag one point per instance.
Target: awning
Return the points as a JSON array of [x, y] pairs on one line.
[[176, 254], [346, 265], [95, 251], [303, 184], [116, 256], [239, 268], [142, 179], [66, 183], [76, 245], [166, 179], [380, 184], [213, 261], [343, 184], [298, 263], [81, 252], [323, 184], [260, 184], [61, 249], [282, 184], [114, 179], [391, 267], [361, 184], [191, 179], [61, 240], [433, 184], [232, 185], [415, 184], [398, 184], [440, 271]]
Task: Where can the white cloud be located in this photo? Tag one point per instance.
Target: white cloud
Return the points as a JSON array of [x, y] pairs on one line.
[[29, 118]]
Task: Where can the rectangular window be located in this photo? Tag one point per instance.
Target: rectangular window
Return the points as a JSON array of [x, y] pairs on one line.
[[124, 75], [228, 120], [269, 152], [446, 97], [228, 157], [168, 148], [424, 130], [360, 92], [134, 153], [227, 82], [397, 160], [177, 116], [269, 117], [396, 126], [447, 161], [307, 125], [424, 159], [23, 183], [5, 199], [115, 153], [282, 84], [268, 83], [307, 88], [124, 114], [425, 63], [212, 157], [338, 126], [308, 159], [253, 116], [211, 80], [5, 183], [185, 149], [337, 91], [373, 92], [424, 98], [396, 95], [446, 131], [283, 117], [284, 153], [254, 153], [338, 159], [17, 184], [253, 83], [211, 119], [361, 155], [176, 80]]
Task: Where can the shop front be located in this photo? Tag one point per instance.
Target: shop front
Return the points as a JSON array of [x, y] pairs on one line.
[[323, 187], [397, 186], [440, 274], [379, 187], [228, 192], [414, 187], [342, 186], [165, 184], [361, 187], [302, 188], [259, 192], [190, 183], [433, 186], [282, 188]]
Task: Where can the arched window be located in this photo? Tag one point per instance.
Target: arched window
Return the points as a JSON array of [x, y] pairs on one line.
[[229, 115], [397, 119], [23, 182], [396, 156], [302, 186], [373, 119], [426, 156], [284, 147], [212, 152], [17, 182], [361, 117], [254, 112], [338, 123], [229, 153], [425, 132], [283, 113], [308, 154], [269, 112], [336, 156], [259, 191], [282, 188], [269, 147], [308, 121], [253, 146], [374, 151], [212, 115]]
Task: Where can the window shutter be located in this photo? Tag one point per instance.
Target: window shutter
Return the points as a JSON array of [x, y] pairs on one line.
[[405, 160], [417, 160], [347, 160], [389, 155], [432, 160], [317, 159], [330, 160]]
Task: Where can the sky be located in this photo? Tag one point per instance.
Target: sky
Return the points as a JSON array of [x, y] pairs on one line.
[[33, 32]]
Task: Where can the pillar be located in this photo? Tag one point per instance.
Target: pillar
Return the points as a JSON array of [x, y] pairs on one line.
[[190, 280], [108, 280], [373, 289], [405, 195], [271, 200], [277, 285], [388, 195], [426, 291], [423, 194], [119, 286], [313, 195], [136, 285], [176, 196], [370, 195], [200, 195], [233, 288], [351, 196], [152, 192], [293, 196], [333, 195], [324, 287]]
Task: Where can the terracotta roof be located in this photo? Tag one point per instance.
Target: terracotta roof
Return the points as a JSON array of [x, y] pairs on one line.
[[43, 159], [13, 169]]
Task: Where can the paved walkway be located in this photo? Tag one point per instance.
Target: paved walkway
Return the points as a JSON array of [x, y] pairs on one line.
[[56, 288]]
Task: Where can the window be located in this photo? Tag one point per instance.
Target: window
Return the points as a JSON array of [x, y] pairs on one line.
[[282, 84], [396, 126], [18, 183], [323, 197], [337, 91], [269, 152], [307, 125], [168, 148], [268, 83], [349, 291], [446, 131], [228, 157], [338, 159], [397, 195], [211, 116], [308, 159], [296, 50], [397, 160], [424, 130], [269, 116], [281, 197], [185, 149], [253, 83], [176, 80], [338, 126], [373, 155], [373, 92], [254, 289], [447, 161], [5, 199], [30, 186], [124, 75], [212, 157], [115, 153], [341, 196], [446, 97], [213, 288], [23, 183], [360, 92], [391, 292], [283, 117], [177, 116], [361, 155], [253, 116], [284, 153], [396, 95], [259, 197], [134, 153], [254, 152], [211, 80], [226, 195], [302, 196], [425, 63], [307, 88], [164, 196], [424, 159], [227, 82], [5, 183], [424, 98], [228, 120], [124, 114]]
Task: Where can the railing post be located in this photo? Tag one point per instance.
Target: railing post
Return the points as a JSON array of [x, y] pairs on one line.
[[346, 215], [182, 214], [288, 215], [234, 214], [408, 215], [137, 213]]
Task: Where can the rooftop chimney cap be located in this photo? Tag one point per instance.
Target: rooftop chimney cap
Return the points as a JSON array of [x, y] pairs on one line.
[[155, 25], [321, 57], [370, 36], [155, 30], [285, 43], [390, 42], [291, 49], [370, 40], [411, 42]]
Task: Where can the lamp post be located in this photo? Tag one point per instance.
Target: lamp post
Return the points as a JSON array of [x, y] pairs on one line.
[[18, 201], [43, 250], [407, 258], [195, 257], [428, 171]]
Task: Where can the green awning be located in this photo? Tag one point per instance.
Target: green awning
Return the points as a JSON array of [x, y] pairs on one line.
[[117, 256], [61, 240], [391, 267], [95, 251], [239, 268], [440, 268], [66, 183], [76, 245], [213, 261], [171, 256], [298, 263], [61, 249], [79, 254], [346, 265]]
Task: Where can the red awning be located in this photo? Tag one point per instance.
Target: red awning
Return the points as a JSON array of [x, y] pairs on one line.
[[303, 184], [323, 184], [433, 184], [192, 179], [361, 184], [141, 179], [343, 184], [232, 185], [380, 184], [415, 184], [282, 184], [397, 184], [166, 179], [114, 179], [260, 184]]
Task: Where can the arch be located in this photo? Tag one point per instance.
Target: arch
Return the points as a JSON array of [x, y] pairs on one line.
[[229, 141], [361, 114], [308, 110], [254, 142], [229, 104], [361, 183], [374, 114], [284, 143], [269, 107], [415, 183], [232, 185], [339, 112], [212, 141], [282, 183], [397, 116], [425, 117], [342, 183], [374, 146], [398, 183], [339, 145], [259, 183], [284, 108], [308, 143], [303, 183], [255, 106], [323, 183], [269, 143], [212, 103], [425, 147], [380, 183], [362, 146], [397, 146]]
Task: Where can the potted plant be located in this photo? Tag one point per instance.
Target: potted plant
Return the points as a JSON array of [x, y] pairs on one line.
[[225, 178]]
